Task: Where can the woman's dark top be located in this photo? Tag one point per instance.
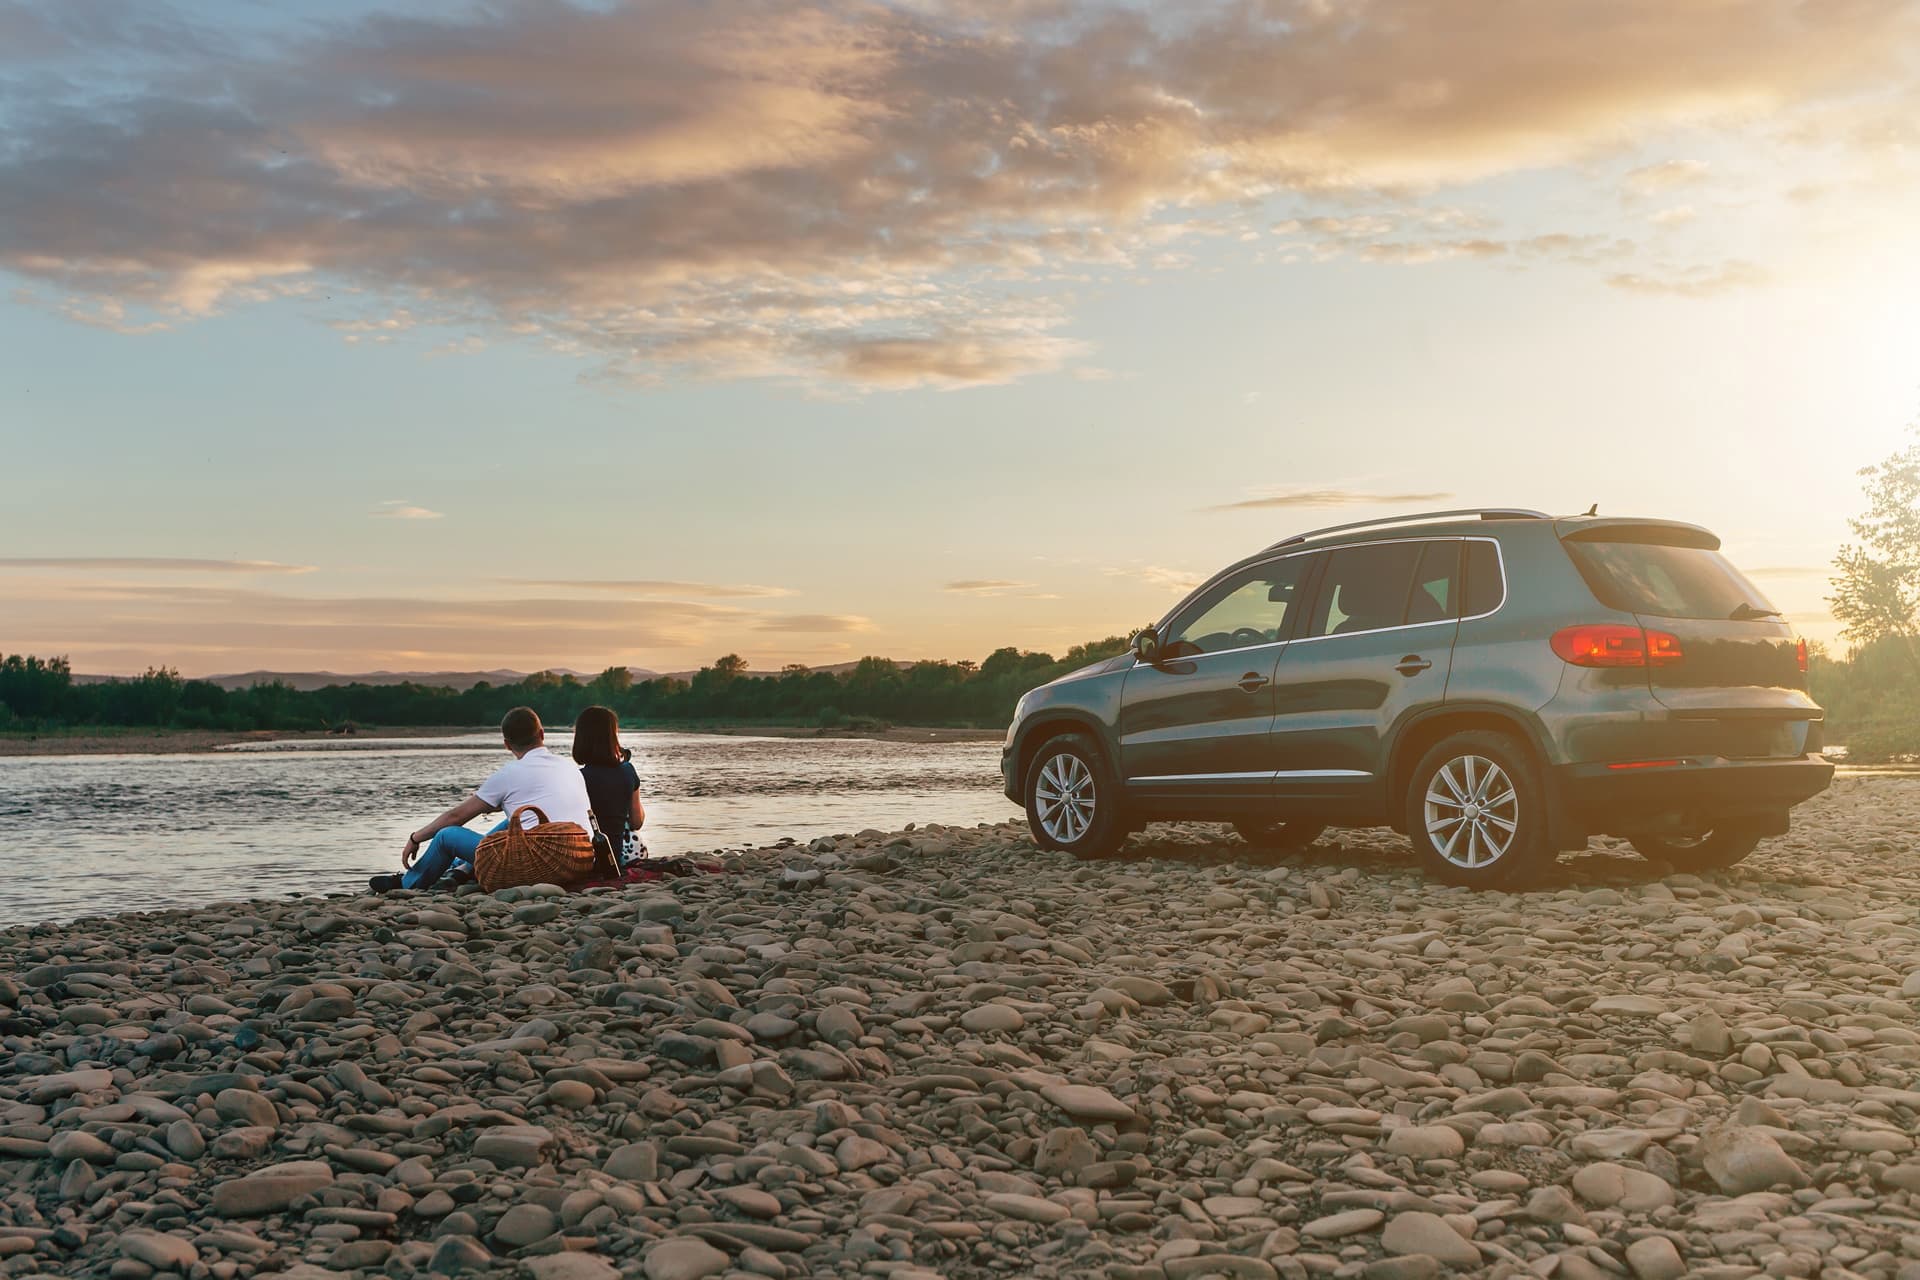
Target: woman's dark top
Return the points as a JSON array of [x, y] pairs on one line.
[[610, 789]]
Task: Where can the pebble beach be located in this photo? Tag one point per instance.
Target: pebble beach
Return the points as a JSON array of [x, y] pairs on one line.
[[942, 1052]]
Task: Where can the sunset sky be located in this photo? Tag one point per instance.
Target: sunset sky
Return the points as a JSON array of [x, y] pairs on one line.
[[341, 335]]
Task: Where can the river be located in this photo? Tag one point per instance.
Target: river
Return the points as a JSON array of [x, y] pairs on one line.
[[90, 835]]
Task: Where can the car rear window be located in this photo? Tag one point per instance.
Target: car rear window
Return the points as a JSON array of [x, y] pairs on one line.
[[1664, 581]]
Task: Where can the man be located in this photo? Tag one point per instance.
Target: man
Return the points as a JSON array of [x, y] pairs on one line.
[[535, 776]]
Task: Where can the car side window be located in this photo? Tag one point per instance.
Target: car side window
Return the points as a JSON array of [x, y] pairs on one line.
[[1485, 590], [1435, 596], [1370, 587], [1249, 608]]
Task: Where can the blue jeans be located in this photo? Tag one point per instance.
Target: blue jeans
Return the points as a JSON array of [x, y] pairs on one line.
[[448, 846]]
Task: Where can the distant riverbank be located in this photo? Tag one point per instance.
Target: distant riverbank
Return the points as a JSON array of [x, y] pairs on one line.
[[94, 740]]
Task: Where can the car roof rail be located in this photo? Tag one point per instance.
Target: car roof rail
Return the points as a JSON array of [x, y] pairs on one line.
[[1484, 513]]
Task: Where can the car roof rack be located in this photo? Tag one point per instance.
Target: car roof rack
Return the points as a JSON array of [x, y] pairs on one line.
[[1484, 513]]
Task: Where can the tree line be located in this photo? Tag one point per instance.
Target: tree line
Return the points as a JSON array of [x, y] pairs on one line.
[[1871, 695], [41, 694]]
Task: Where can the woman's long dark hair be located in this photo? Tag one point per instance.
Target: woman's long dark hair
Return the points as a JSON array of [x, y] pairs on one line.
[[596, 737]]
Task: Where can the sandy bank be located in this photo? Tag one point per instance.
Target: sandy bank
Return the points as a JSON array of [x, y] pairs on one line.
[[945, 1053]]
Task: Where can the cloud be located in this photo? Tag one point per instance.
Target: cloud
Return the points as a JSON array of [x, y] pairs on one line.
[[1666, 176], [833, 192], [1328, 498], [149, 564], [401, 509], [209, 627], [654, 588], [984, 586], [1692, 282], [825, 623], [1177, 580]]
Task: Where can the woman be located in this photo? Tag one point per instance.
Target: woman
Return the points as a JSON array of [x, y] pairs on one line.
[[613, 785]]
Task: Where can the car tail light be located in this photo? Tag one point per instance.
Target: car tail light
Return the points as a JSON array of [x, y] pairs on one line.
[[1800, 655], [1613, 644]]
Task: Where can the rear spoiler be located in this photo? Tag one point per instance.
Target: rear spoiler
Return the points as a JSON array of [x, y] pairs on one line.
[[1660, 533]]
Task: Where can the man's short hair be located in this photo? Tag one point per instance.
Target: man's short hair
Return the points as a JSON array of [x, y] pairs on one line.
[[521, 728]]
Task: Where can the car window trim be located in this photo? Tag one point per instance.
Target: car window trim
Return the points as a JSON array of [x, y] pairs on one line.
[[1306, 581], [1499, 556]]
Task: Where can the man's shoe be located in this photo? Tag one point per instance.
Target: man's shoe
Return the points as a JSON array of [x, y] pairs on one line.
[[384, 884]]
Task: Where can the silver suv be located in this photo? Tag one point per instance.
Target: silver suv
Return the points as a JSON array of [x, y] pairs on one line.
[[1497, 684]]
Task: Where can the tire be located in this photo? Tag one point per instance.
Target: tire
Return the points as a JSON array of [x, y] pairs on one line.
[[1506, 801], [1286, 836], [1073, 798], [1713, 850]]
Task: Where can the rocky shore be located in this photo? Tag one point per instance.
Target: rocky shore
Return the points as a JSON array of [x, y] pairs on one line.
[[941, 1052]]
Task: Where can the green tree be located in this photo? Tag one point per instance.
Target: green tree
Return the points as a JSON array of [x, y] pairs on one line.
[[1876, 589]]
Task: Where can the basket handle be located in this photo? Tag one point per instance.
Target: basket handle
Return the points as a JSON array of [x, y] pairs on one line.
[[516, 832]]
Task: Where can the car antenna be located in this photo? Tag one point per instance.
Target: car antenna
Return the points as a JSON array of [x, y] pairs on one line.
[[1594, 510]]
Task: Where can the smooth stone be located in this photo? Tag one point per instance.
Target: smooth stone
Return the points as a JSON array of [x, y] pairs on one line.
[[1088, 1102], [571, 1266], [1428, 1234], [1426, 1142], [1028, 1208], [158, 1250], [1655, 1258], [1233, 1266], [74, 1145], [514, 1146], [524, 1224], [1740, 1160], [683, 1258], [1337, 1226], [988, 1018], [751, 1201], [1612, 1185], [636, 1162], [269, 1190], [459, 1255]]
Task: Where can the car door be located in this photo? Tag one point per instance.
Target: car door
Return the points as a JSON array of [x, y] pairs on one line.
[[1195, 724], [1377, 642]]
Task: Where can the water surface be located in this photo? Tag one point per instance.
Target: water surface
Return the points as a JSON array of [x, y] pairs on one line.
[[90, 835]]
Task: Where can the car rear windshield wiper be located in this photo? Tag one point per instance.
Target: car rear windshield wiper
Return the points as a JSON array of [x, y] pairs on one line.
[[1747, 613]]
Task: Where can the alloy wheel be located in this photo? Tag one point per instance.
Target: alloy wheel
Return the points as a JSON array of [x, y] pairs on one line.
[[1064, 796], [1471, 811]]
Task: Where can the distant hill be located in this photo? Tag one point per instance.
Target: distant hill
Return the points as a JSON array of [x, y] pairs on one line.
[[308, 681]]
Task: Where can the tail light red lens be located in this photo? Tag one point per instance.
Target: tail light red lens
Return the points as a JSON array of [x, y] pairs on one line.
[[1613, 644], [1800, 655]]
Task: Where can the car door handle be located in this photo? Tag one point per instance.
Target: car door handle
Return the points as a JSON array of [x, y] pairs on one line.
[[1412, 665], [1253, 682]]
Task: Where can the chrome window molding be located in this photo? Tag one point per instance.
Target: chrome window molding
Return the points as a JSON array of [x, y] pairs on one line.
[[1499, 556]]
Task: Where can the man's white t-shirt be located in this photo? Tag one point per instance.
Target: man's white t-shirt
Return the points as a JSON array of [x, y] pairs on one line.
[[539, 778]]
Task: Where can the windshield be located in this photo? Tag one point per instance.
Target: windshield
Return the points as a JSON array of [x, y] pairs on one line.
[[1667, 582]]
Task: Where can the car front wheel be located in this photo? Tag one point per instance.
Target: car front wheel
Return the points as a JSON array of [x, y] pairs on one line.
[[1476, 812], [1073, 802], [1713, 850]]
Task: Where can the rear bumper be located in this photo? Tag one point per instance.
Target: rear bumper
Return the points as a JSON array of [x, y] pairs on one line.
[[1697, 791], [1008, 783]]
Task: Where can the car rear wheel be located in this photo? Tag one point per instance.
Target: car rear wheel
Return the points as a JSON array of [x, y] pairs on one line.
[[1713, 850], [1476, 812], [1279, 835], [1073, 802]]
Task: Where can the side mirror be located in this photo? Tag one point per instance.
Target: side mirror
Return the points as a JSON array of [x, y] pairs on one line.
[[1146, 644]]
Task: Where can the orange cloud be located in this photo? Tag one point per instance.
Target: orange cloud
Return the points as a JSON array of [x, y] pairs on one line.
[[853, 192]]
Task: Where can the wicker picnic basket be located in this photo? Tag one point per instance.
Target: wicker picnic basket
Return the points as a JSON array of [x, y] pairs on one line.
[[550, 853]]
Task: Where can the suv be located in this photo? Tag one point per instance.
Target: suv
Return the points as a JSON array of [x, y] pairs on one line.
[[1498, 685]]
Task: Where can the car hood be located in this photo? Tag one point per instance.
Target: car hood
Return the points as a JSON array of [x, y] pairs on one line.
[[1099, 668]]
